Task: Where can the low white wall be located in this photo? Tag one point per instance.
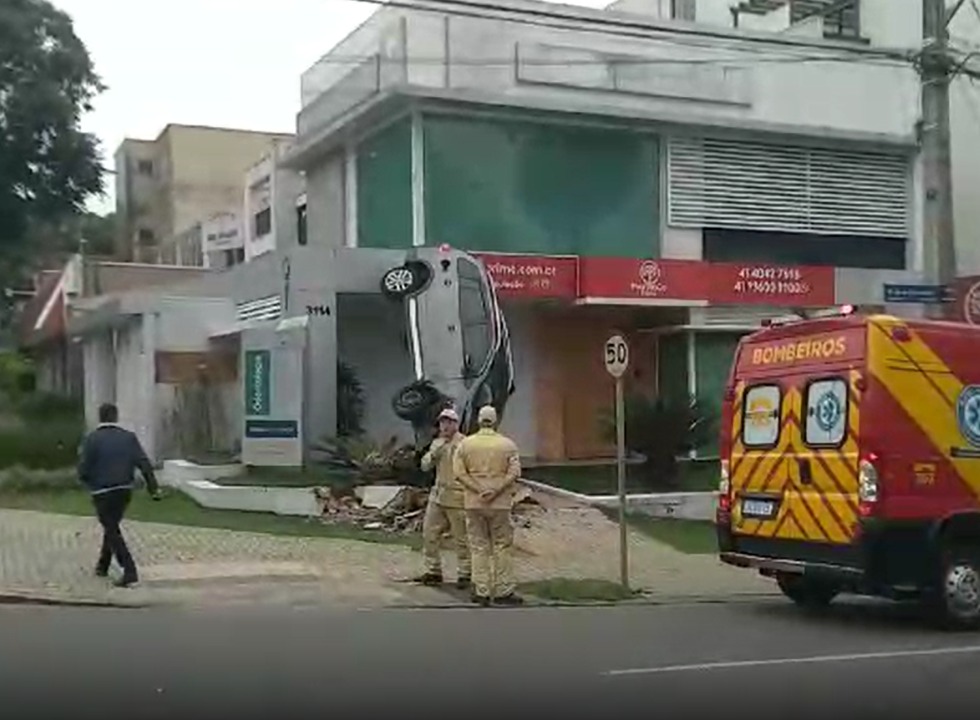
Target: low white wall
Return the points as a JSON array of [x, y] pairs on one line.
[[177, 472], [280, 501], [195, 481], [678, 505]]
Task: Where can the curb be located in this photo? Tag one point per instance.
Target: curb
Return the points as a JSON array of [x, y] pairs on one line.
[[27, 597], [531, 602]]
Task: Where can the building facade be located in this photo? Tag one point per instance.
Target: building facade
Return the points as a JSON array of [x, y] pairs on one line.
[[166, 186], [626, 171]]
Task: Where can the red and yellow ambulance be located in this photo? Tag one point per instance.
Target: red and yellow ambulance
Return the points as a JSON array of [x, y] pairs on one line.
[[851, 461]]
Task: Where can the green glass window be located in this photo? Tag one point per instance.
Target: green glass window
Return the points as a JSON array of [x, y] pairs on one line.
[[713, 354], [384, 188], [672, 368], [533, 187]]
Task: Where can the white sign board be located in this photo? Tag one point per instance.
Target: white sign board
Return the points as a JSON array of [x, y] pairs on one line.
[[222, 232], [616, 355]]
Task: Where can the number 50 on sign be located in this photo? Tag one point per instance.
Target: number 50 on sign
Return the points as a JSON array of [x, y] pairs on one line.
[[616, 356]]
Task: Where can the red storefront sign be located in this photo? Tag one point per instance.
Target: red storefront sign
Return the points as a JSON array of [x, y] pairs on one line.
[[717, 283], [532, 276]]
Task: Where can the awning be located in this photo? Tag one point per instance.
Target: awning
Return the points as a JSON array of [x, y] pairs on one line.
[[279, 325]]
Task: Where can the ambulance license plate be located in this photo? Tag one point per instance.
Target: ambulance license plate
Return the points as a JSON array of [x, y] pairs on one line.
[[754, 508]]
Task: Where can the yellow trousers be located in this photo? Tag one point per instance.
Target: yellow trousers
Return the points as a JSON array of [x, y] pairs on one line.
[[437, 521], [491, 537]]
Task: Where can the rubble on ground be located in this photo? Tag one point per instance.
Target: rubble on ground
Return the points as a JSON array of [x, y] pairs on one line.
[[398, 508]]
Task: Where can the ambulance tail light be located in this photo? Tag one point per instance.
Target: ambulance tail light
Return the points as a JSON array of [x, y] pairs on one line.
[[724, 489], [868, 490]]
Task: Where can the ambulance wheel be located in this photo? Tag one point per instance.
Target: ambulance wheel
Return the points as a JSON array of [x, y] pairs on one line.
[[956, 602], [806, 592]]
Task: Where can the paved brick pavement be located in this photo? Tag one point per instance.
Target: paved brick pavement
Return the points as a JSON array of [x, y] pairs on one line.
[[53, 555]]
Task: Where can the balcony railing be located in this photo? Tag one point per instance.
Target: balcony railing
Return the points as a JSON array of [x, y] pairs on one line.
[[841, 18]]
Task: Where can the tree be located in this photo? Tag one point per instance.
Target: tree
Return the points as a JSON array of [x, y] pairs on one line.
[[99, 233], [48, 166]]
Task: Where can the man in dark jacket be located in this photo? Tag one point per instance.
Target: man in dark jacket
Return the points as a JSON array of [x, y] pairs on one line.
[[108, 459]]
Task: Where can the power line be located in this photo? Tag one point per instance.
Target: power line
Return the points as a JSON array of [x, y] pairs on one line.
[[620, 27]]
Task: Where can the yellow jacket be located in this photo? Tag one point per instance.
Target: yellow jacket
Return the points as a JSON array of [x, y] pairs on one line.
[[487, 460], [447, 490]]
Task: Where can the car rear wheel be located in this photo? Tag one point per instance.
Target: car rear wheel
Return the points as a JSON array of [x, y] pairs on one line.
[[956, 601], [807, 592]]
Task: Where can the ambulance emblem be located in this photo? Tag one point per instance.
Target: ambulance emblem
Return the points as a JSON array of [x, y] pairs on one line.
[[828, 411], [968, 414]]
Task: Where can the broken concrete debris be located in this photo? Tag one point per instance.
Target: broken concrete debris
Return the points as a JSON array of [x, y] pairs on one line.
[[395, 508]]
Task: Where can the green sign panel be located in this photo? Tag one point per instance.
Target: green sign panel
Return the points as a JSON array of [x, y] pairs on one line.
[[258, 369]]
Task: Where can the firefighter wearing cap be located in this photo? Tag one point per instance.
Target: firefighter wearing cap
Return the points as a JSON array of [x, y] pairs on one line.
[[444, 510], [488, 465]]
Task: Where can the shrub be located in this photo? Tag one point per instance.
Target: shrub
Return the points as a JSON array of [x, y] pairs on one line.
[[42, 444], [16, 374], [372, 462], [350, 402], [660, 432], [45, 407], [19, 479]]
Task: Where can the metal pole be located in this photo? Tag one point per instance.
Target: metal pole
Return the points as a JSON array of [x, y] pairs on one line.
[[624, 569], [939, 244]]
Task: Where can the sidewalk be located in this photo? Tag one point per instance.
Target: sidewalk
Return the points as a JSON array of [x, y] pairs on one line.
[[52, 556]]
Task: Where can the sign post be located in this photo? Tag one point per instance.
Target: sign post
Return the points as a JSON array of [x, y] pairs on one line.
[[616, 355]]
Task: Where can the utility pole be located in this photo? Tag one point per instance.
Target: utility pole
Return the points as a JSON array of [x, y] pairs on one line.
[[939, 244]]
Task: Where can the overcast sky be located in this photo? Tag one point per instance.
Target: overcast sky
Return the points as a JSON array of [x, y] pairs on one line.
[[230, 63]]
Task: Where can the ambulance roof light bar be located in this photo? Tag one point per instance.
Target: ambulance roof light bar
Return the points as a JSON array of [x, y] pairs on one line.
[[803, 315]]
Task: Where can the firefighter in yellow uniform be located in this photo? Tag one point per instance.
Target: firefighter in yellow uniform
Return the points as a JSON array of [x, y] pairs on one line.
[[444, 510], [488, 465]]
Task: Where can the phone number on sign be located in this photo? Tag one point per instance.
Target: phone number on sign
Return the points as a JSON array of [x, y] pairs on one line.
[[770, 273], [772, 287]]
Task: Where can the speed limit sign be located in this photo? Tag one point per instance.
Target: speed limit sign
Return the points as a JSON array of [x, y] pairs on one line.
[[616, 355]]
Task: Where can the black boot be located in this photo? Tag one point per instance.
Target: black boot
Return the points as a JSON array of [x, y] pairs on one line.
[[126, 582], [481, 600], [429, 578], [463, 582], [509, 600]]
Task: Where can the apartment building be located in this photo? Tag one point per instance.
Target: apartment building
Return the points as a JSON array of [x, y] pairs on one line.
[[186, 176]]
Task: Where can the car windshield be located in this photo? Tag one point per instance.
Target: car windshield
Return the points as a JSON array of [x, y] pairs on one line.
[[475, 317]]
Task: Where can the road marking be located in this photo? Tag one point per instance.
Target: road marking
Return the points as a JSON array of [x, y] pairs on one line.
[[891, 655]]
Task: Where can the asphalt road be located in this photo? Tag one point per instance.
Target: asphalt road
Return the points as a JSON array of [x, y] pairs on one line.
[[755, 660]]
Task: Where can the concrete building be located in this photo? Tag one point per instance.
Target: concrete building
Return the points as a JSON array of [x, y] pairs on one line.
[[188, 174], [274, 205], [673, 171], [61, 296]]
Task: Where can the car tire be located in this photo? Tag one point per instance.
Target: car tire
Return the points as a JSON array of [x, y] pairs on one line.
[[418, 403], [410, 402], [406, 280], [955, 602], [807, 592]]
